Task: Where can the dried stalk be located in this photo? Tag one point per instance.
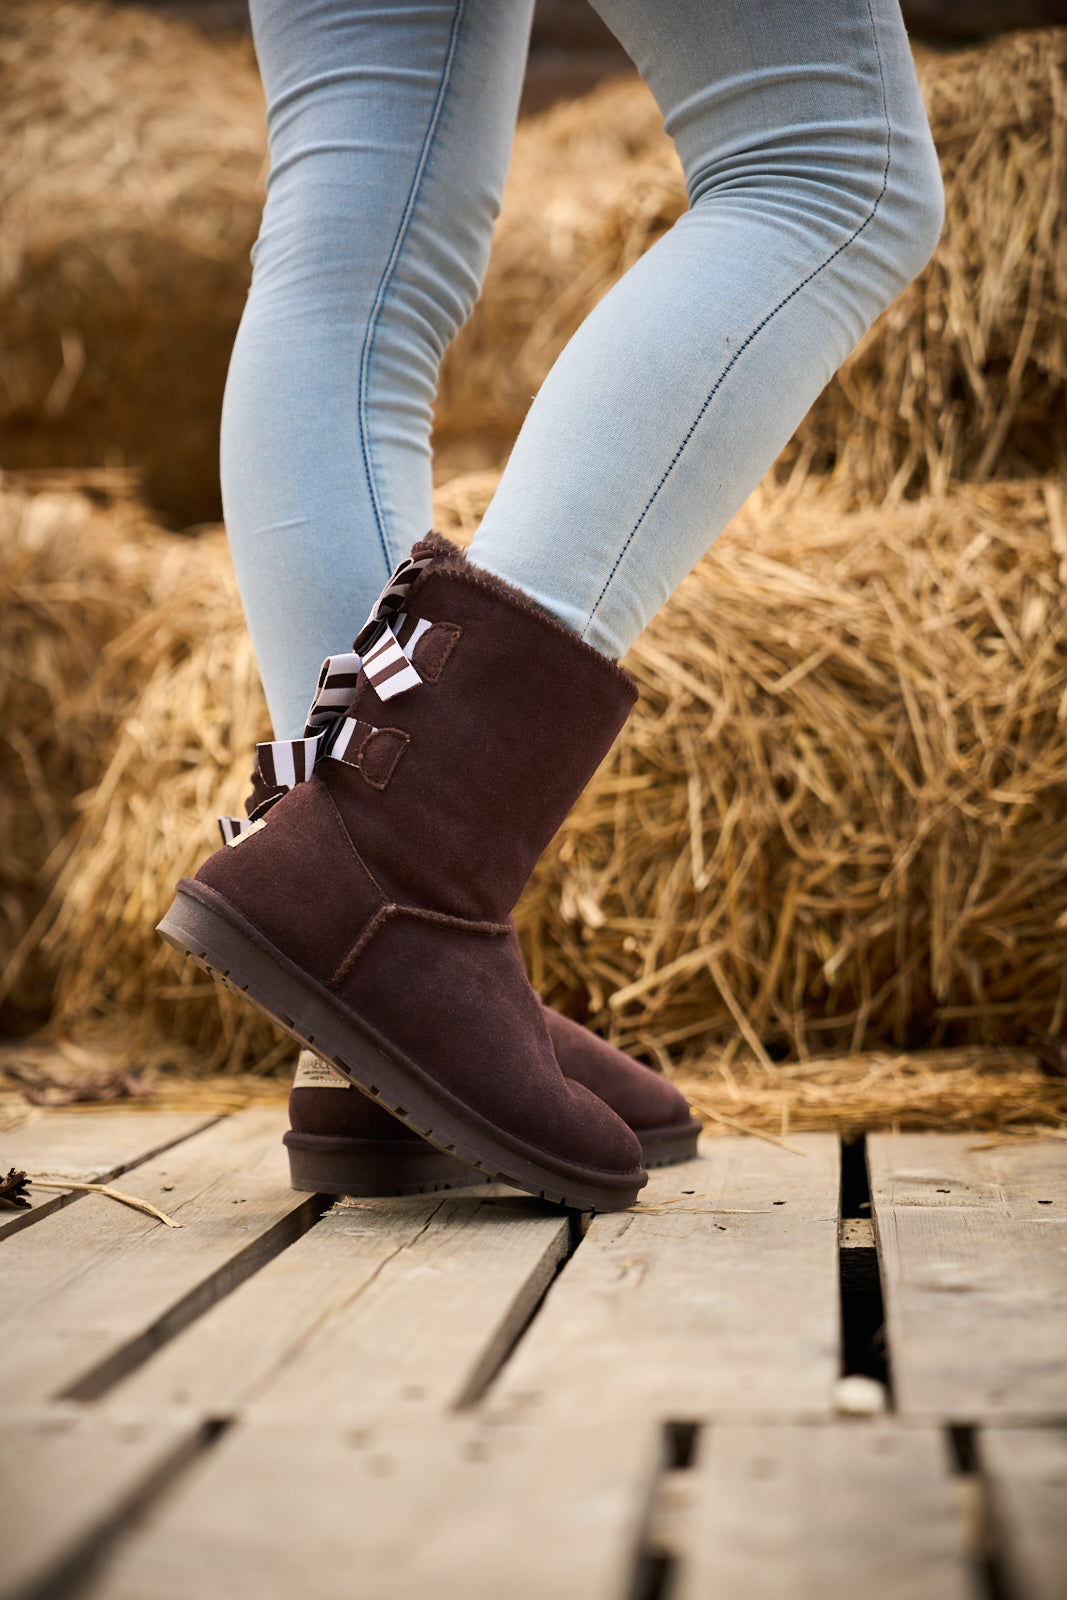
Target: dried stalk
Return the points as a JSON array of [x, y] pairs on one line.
[[113, 1194]]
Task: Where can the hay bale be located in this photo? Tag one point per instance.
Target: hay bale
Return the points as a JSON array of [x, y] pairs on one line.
[[965, 375], [61, 604], [945, 1091], [134, 158], [838, 823], [132, 704], [838, 817], [133, 164]]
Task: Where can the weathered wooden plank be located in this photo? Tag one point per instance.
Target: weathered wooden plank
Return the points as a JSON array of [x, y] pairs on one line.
[[823, 1512], [717, 1295], [973, 1251], [1026, 1474], [432, 1327], [397, 1308], [67, 1478], [402, 1305], [220, 1362], [454, 1509], [90, 1147], [92, 1290]]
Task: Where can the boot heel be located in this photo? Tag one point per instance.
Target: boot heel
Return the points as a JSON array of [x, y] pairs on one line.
[[319, 1164]]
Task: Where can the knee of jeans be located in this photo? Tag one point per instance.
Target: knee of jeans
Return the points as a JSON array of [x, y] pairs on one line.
[[907, 223], [426, 301], [927, 211], [411, 291]]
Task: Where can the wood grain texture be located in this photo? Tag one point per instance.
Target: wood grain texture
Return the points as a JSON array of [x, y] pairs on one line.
[[90, 1147], [67, 1478], [349, 1465], [823, 1513], [1026, 1475], [92, 1290], [680, 1310], [455, 1510], [433, 1324], [390, 1306], [387, 1436], [973, 1251]]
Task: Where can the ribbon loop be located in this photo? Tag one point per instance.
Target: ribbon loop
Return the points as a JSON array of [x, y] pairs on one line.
[[387, 663], [389, 603], [333, 696]]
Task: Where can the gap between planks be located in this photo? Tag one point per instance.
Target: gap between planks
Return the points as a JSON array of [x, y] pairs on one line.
[[424, 1297], [330, 1395], [408, 1329], [91, 1290], [695, 1313]]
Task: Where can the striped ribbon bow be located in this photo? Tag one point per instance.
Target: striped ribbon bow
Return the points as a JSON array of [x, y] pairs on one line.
[[328, 732]]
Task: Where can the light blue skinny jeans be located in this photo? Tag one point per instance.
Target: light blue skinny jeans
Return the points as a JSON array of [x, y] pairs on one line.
[[814, 196]]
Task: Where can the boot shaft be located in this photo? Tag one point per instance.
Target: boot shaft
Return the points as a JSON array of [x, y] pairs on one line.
[[462, 780]]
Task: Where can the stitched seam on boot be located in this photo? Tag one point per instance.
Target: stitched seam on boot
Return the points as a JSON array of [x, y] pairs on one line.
[[382, 783], [357, 858], [456, 633], [436, 919]]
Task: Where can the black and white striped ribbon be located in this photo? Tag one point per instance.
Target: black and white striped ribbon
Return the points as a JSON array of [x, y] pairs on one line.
[[389, 602], [333, 696], [386, 661], [327, 732]]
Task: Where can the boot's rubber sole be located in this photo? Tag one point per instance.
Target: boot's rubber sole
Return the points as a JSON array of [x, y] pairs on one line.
[[323, 1163], [204, 926]]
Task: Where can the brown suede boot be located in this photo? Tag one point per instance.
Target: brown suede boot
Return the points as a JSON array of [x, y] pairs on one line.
[[348, 1145], [368, 910], [342, 1143]]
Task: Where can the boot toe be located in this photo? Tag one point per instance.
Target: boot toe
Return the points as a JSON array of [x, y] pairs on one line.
[[642, 1097], [462, 1008]]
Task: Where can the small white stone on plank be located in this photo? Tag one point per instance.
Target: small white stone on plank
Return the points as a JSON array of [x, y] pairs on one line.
[[859, 1396]]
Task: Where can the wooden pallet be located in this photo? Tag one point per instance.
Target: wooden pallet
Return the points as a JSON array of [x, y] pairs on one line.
[[476, 1395]]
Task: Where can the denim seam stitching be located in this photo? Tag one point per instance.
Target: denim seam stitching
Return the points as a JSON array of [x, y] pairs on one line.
[[390, 267], [724, 374]]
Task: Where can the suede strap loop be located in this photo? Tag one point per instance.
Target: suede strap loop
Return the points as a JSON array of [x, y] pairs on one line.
[[387, 663]]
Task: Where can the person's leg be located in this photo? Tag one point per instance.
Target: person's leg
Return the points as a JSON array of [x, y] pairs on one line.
[[390, 132], [815, 198]]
